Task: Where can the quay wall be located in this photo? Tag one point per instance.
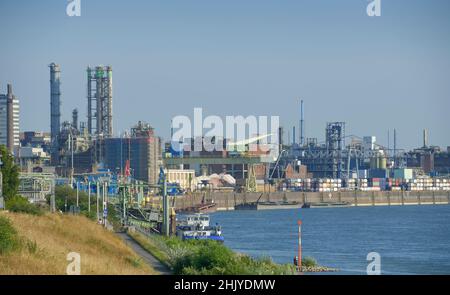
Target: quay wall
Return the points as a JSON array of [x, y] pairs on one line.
[[227, 200]]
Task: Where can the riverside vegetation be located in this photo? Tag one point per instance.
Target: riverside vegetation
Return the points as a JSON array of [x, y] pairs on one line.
[[204, 257]]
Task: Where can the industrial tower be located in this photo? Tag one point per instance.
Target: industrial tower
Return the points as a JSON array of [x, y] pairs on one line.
[[100, 101], [335, 143], [55, 110]]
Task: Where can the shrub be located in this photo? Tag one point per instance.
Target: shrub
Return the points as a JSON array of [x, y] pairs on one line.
[[207, 257], [8, 236], [21, 205], [309, 262]]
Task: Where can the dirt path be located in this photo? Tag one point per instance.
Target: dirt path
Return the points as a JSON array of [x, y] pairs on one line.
[[147, 257]]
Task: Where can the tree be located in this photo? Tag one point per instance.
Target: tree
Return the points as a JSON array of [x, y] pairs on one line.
[[10, 174]]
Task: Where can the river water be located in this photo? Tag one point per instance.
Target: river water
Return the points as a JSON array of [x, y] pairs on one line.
[[409, 239]]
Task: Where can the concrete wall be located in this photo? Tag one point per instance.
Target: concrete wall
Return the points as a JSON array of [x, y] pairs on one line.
[[227, 200]]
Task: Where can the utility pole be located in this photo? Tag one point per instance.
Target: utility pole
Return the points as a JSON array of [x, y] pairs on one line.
[[124, 206], [103, 202], [166, 208], [71, 149], [98, 197], [105, 213], [2, 200], [89, 196], [77, 197], [299, 261]]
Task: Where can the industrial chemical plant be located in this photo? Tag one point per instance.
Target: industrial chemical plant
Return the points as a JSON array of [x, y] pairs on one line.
[[138, 168]]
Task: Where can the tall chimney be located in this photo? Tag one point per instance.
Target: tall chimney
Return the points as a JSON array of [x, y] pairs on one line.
[[55, 112], [75, 119], [425, 138], [10, 119], [293, 134], [280, 137]]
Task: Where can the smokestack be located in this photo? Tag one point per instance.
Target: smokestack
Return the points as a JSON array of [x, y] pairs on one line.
[[55, 110], [280, 137], [75, 119], [10, 119], [293, 135], [425, 138]]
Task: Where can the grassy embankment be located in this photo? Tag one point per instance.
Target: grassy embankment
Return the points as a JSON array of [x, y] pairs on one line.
[[206, 257], [39, 244]]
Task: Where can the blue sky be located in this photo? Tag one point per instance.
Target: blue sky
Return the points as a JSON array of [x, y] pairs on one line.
[[239, 57]]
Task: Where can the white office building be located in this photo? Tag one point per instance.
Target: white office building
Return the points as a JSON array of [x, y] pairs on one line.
[[4, 120]]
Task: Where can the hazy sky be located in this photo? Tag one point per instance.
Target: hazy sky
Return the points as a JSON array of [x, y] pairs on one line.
[[239, 57]]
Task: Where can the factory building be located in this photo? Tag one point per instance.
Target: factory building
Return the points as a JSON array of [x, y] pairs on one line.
[[35, 139], [9, 120], [142, 149]]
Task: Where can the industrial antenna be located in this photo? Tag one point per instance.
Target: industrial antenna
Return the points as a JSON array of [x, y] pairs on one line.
[[395, 148], [302, 122]]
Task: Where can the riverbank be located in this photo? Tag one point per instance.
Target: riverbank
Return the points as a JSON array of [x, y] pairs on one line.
[[211, 258], [40, 244], [227, 201]]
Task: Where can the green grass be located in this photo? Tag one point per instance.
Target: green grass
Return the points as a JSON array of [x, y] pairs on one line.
[[205, 257], [153, 246], [9, 240]]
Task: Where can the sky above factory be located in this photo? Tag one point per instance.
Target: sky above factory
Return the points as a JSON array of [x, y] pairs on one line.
[[239, 57]]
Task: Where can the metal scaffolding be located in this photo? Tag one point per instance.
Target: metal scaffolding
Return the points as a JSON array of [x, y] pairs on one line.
[[100, 101]]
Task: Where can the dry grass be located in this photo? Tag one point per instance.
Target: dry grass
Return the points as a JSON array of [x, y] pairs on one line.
[[47, 239]]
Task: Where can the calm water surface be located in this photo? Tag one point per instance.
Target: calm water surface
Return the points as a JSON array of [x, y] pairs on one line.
[[410, 239]]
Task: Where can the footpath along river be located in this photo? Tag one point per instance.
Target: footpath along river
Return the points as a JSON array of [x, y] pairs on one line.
[[410, 239]]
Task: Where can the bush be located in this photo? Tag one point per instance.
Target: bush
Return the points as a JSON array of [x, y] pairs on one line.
[[64, 193], [8, 236], [309, 262], [206, 257], [21, 205]]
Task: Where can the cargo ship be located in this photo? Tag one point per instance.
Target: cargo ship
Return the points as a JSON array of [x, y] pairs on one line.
[[197, 227], [268, 205], [326, 205]]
